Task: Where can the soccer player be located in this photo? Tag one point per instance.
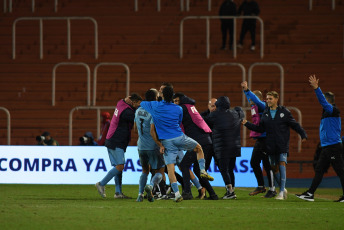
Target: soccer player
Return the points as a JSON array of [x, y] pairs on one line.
[[167, 117], [276, 121], [331, 143], [117, 140], [149, 154], [195, 127], [259, 152]]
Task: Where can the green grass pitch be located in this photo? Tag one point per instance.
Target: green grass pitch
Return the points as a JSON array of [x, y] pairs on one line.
[[81, 207]]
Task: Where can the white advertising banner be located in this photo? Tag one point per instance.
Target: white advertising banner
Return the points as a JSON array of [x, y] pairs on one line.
[[88, 165]]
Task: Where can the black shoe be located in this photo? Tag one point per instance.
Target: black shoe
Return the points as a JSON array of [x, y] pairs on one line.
[[306, 196], [229, 196], [257, 191], [212, 197], [341, 199], [170, 196], [270, 194], [187, 196]]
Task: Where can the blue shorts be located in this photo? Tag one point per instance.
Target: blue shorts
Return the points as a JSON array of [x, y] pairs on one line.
[[152, 158], [275, 159], [174, 147], [116, 156]]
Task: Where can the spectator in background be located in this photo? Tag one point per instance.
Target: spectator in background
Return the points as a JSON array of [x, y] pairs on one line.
[[104, 128], [330, 140], [227, 8], [88, 140], [46, 139], [248, 8], [117, 141]]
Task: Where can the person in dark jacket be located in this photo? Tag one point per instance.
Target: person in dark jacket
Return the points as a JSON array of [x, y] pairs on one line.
[[259, 154], [227, 8], [330, 140], [248, 8], [226, 140], [88, 140], [276, 121], [195, 127], [117, 141]]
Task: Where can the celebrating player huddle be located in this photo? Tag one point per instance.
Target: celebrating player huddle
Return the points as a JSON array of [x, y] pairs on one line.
[[170, 124]]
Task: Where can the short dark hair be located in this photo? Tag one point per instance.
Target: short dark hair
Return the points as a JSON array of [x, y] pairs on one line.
[[329, 97], [178, 95], [135, 97], [167, 84], [151, 95], [167, 92]]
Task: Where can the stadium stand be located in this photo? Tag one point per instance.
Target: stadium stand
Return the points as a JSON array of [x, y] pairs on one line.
[[302, 41]]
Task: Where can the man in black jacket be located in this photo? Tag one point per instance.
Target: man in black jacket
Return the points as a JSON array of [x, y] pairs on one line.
[[276, 121], [226, 140], [227, 8]]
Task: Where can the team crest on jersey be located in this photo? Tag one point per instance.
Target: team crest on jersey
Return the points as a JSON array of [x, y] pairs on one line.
[[253, 112], [116, 112], [282, 115]]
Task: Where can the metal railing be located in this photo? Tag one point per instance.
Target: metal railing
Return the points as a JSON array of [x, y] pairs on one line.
[[158, 5], [72, 64], [207, 18], [98, 108], [281, 101], [188, 5], [8, 124], [33, 4], [311, 5], [210, 77], [68, 19], [299, 118], [109, 64]]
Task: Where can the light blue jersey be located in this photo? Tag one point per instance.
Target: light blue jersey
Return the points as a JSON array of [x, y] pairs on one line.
[[143, 122]]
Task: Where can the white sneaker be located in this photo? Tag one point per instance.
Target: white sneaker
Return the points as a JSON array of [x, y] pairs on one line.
[[253, 48], [280, 196], [101, 189], [285, 194]]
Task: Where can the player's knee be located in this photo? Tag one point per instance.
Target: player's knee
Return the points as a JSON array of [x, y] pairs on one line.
[[120, 167], [198, 148]]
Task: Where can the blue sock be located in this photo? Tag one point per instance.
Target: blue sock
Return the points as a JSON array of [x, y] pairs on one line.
[[118, 182], [283, 172], [201, 163], [112, 173], [175, 188], [142, 182], [156, 179], [196, 183]]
